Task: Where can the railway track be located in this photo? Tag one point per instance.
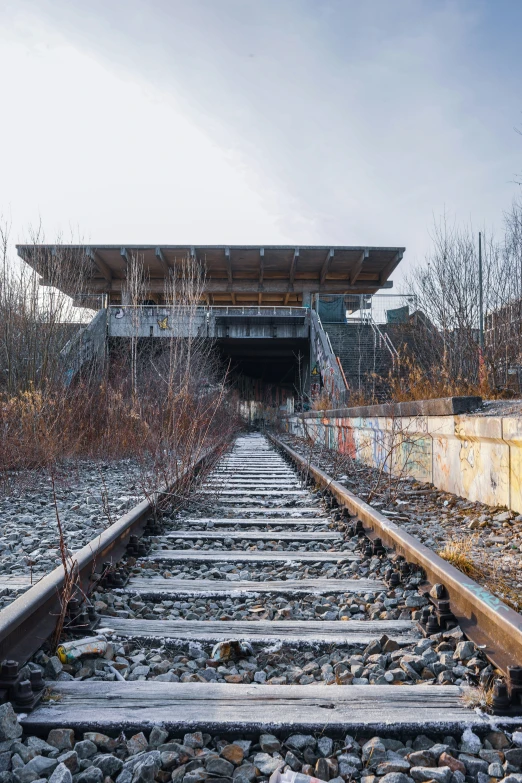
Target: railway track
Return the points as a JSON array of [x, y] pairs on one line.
[[270, 606]]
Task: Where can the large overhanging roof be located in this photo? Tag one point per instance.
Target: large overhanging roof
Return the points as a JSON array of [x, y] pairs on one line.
[[233, 273]]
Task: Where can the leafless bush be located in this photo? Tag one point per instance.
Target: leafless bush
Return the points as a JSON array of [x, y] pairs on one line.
[[164, 403], [442, 340]]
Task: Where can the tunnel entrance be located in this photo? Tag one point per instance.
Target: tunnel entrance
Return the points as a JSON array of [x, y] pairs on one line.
[[267, 370]]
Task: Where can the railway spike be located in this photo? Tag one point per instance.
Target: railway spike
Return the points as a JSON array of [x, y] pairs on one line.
[[37, 680], [501, 702], [9, 670], [515, 684], [24, 696], [395, 579]]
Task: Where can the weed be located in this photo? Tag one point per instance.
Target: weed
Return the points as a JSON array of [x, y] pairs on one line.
[[458, 552], [480, 697]]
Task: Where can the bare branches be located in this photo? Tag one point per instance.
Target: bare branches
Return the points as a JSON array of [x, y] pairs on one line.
[[443, 341]]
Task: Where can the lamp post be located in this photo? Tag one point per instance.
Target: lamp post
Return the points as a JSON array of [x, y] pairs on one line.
[[481, 297]]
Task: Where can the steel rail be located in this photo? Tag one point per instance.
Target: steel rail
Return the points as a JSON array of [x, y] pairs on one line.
[[27, 622], [483, 617]]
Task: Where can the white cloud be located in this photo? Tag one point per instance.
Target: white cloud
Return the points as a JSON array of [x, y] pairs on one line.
[[240, 121]]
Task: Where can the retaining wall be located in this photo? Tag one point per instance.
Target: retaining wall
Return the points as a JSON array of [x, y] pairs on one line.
[[476, 457]]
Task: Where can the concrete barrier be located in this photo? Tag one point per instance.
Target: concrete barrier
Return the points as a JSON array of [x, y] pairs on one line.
[[476, 457]]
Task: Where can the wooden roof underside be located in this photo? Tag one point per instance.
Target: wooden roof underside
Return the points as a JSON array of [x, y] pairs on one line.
[[233, 274]]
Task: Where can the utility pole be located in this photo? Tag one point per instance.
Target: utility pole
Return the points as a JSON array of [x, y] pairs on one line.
[[481, 297]]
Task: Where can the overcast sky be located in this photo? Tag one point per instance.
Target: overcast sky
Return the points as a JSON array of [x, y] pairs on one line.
[[259, 121]]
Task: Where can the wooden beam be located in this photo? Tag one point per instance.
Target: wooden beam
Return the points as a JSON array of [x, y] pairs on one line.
[[326, 265], [287, 297], [239, 556], [259, 299], [358, 266], [220, 708], [239, 286], [163, 261], [390, 266], [99, 264], [325, 631], [293, 266], [161, 587]]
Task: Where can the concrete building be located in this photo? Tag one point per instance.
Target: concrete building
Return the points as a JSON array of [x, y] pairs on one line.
[[259, 303]]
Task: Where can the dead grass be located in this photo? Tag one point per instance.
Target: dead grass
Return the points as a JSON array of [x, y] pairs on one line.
[[458, 551], [409, 381], [480, 697], [324, 403]]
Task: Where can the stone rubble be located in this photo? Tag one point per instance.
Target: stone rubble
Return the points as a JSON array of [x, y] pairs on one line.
[[442, 659]]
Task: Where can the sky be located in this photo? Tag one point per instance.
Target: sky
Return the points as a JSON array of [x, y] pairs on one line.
[[258, 122]]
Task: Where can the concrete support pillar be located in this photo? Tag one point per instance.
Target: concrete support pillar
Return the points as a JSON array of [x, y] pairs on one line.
[[306, 299]]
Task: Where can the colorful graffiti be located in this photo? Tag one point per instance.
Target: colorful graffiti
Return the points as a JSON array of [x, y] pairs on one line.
[[476, 457]]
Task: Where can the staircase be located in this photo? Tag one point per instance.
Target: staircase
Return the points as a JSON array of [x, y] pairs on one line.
[[87, 345], [325, 359], [366, 354]]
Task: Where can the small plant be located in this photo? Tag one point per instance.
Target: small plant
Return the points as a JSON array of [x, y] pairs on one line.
[[71, 575]]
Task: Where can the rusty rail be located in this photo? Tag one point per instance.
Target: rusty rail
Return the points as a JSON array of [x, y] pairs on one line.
[[483, 617]]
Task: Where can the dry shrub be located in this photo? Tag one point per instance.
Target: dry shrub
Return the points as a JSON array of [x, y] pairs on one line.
[[361, 397], [323, 403], [164, 404], [413, 382]]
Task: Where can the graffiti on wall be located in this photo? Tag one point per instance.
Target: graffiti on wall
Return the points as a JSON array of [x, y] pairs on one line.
[[468, 457], [399, 446]]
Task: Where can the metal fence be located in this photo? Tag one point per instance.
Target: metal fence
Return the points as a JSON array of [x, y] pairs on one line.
[[358, 308]]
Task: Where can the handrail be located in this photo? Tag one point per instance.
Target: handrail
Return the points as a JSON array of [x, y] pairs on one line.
[[383, 337], [209, 308], [342, 372], [339, 381]]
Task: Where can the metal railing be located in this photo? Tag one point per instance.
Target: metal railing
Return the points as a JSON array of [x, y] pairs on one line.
[[256, 310], [381, 307], [383, 337], [333, 379], [219, 309]]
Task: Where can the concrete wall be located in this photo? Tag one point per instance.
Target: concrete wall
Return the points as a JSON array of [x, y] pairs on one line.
[[233, 322], [477, 457]]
